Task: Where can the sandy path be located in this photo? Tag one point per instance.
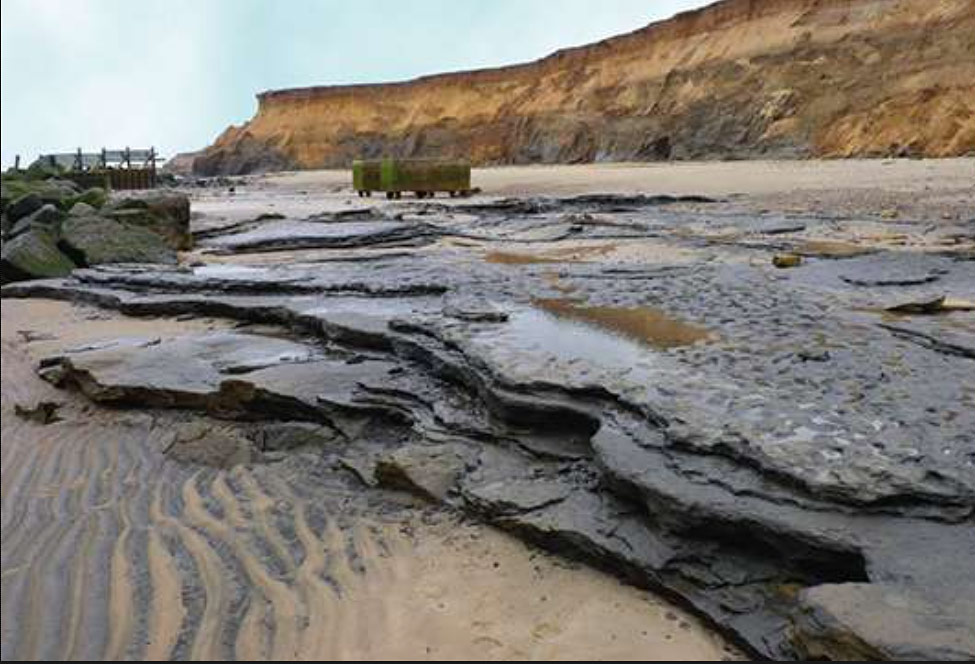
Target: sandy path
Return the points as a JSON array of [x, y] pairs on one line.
[[109, 550]]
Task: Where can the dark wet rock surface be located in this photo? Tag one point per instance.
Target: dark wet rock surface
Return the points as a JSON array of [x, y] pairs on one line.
[[165, 213], [94, 240], [33, 254], [769, 446], [878, 622], [289, 235]]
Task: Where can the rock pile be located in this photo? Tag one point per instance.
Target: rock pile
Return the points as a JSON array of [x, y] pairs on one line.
[[50, 226]]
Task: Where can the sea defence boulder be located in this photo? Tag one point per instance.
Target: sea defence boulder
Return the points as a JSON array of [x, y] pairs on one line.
[[95, 240], [47, 218], [50, 228], [165, 213], [17, 190], [33, 254], [22, 206], [96, 197], [30, 248]]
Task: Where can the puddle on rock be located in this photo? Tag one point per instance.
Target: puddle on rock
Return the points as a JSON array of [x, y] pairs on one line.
[[645, 325], [833, 249], [572, 254], [508, 258]]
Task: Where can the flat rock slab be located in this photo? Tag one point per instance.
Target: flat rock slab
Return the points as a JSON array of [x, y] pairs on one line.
[[902, 270], [883, 623], [194, 366], [289, 235]]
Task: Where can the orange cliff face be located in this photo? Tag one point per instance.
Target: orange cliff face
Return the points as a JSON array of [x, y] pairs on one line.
[[736, 79]]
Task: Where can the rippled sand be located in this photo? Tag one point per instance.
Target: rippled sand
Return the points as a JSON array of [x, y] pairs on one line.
[[110, 550]]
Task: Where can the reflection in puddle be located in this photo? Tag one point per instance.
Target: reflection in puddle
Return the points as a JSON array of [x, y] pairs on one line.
[[833, 249], [645, 325], [508, 258], [230, 271], [573, 254]]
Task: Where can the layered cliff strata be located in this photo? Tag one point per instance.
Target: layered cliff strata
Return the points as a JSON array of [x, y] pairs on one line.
[[737, 79]]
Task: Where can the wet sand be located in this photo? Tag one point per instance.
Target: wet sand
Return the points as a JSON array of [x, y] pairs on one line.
[[111, 550]]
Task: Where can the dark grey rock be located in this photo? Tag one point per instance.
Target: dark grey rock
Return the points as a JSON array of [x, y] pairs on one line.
[[290, 436], [874, 622], [47, 218], [95, 240], [292, 235], [166, 214], [432, 471], [23, 207], [82, 209], [33, 255]]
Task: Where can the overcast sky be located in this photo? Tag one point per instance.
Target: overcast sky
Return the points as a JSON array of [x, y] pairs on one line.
[[175, 73]]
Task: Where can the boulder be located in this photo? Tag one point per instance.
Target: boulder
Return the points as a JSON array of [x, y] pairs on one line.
[[33, 254], [96, 197], [95, 240], [23, 206], [164, 213], [41, 169], [7, 191], [57, 192], [82, 209], [47, 218]]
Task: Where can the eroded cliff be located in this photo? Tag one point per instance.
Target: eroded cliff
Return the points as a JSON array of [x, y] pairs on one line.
[[736, 79]]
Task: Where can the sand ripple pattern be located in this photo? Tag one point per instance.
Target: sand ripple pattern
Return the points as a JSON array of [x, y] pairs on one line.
[[111, 551]]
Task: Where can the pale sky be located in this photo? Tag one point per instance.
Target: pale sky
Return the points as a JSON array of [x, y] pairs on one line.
[[175, 73]]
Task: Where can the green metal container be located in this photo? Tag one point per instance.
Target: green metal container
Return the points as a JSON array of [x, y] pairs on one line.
[[366, 175], [425, 175]]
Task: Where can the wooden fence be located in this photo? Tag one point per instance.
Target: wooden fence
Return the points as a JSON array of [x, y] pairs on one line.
[[114, 169]]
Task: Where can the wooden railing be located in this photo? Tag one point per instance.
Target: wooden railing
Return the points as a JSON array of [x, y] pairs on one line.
[[115, 169]]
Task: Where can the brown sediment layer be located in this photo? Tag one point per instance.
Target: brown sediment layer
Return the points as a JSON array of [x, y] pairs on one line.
[[739, 78]]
